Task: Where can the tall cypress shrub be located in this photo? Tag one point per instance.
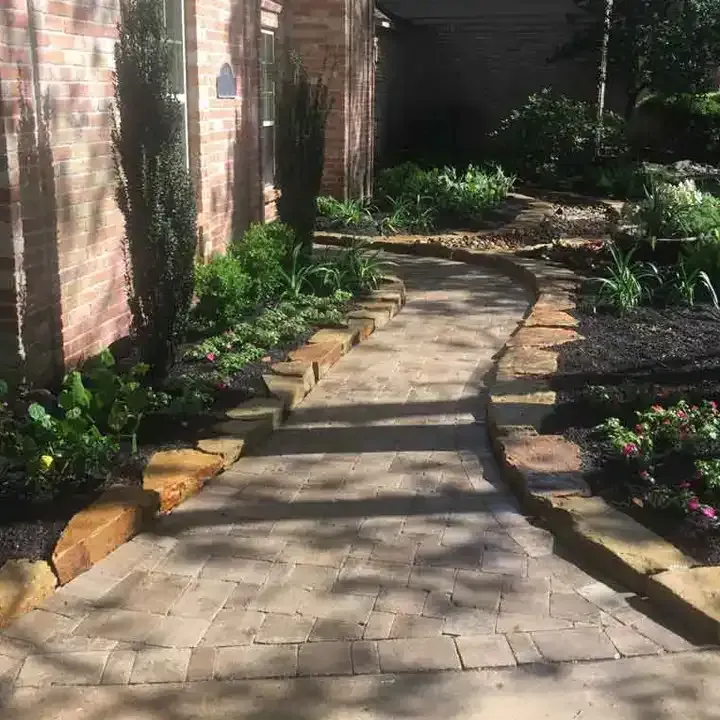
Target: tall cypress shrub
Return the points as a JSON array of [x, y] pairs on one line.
[[153, 186], [302, 111]]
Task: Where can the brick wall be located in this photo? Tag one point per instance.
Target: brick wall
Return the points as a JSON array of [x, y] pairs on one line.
[[62, 295], [334, 38]]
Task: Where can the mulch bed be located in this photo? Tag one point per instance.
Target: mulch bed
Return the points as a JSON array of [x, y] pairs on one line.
[[625, 364]]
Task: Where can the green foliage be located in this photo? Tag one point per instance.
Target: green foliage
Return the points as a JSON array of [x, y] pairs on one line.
[[343, 214], [659, 45], [263, 251], [704, 254], [670, 456], [249, 341], [685, 126], [419, 200], [153, 186], [303, 107], [626, 283], [224, 291], [552, 137], [676, 210], [44, 455], [684, 282]]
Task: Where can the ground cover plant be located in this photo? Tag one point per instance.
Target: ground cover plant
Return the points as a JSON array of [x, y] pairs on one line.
[[411, 199]]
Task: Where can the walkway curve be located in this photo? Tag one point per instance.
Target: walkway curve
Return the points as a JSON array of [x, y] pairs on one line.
[[371, 534]]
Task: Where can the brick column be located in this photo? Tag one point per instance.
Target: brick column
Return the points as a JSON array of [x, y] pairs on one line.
[[335, 37]]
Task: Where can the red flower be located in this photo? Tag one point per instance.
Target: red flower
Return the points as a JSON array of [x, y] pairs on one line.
[[639, 429], [210, 357], [630, 450], [657, 408], [645, 475], [709, 512], [693, 504], [681, 414], [684, 485], [220, 386]]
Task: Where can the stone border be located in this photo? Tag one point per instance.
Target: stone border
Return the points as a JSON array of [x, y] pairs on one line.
[[172, 476], [545, 471]]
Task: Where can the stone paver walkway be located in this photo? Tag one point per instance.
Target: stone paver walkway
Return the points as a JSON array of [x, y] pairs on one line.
[[371, 534]]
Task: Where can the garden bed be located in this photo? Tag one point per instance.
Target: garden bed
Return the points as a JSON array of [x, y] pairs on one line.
[[649, 357]]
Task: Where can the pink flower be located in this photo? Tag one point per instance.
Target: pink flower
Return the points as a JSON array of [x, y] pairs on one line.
[[220, 386], [684, 485], [630, 450], [645, 475], [713, 406], [210, 357], [681, 414], [693, 504], [708, 512], [639, 429], [656, 408]]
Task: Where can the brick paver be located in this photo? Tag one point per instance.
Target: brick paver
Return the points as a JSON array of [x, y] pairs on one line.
[[370, 534]]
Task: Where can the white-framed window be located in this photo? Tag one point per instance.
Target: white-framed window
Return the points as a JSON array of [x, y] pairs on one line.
[[174, 11], [267, 106]]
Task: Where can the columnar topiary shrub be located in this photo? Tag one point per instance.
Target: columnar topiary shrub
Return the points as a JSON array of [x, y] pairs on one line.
[[154, 190], [303, 106]]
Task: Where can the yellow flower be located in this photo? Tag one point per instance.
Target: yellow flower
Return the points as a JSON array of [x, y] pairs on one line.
[[46, 461]]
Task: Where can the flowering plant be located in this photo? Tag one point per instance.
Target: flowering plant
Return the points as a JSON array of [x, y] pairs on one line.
[[673, 456]]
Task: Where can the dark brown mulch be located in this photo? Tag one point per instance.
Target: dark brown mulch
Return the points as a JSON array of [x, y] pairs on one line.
[[672, 344], [625, 364], [30, 531]]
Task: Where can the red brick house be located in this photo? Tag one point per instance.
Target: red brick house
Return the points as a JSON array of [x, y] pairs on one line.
[[61, 267]]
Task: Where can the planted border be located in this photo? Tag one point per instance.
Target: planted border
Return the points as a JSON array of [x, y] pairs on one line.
[[544, 471], [172, 476]]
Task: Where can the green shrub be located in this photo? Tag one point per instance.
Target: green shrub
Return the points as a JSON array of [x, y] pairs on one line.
[[418, 200], [153, 186], [553, 137], [684, 126], [344, 214], [224, 291], [676, 210], [704, 254], [263, 252]]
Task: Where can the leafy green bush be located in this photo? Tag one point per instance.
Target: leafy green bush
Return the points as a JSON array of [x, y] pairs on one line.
[[418, 200], [224, 290], [263, 252], [553, 137], [670, 457], [676, 210], [704, 254], [685, 126]]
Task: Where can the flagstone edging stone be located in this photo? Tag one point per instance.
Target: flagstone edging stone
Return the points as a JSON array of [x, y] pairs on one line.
[[544, 470], [173, 476]]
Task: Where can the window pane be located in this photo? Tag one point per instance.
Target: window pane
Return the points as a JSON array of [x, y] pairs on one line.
[[268, 154]]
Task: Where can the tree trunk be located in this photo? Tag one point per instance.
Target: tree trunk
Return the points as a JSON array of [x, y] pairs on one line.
[[602, 74]]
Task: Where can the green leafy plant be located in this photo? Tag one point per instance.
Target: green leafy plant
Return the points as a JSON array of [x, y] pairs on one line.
[[303, 107], [551, 138], [410, 214], [704, 254], [299, 277], [263, 252], [153, 186], [344, 214], [676, 210], [44, 455], [627, 281], [224, 292], [685, 281]]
